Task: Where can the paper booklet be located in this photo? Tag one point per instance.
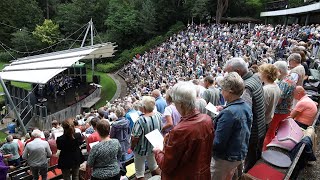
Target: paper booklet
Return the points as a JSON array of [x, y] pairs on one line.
[[210, 107], [155, 138]]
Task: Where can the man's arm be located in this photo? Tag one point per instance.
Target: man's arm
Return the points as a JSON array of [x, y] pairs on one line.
[[25, 153], [48, 150], [294, 114]]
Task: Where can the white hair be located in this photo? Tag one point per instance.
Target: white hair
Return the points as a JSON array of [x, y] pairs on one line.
[[185, 93], [282, 66], [237, 63], [148, 103], [36, 133]]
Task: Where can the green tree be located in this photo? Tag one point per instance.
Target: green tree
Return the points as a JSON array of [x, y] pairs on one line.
[[148, 18], [18, 14], [200, 9], [48, 32], [23, 40], [122, 23]]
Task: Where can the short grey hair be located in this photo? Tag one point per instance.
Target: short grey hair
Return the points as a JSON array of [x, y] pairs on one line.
[[237, 63], [233, 83], [148, 103], [36, 133], [128, 106], [119, 112], [282, 66], [136, 105], [9, 138], [295, 57], [185, 93]]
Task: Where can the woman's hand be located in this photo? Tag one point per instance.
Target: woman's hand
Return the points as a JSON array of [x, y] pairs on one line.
[[219, 108], [156, 150]]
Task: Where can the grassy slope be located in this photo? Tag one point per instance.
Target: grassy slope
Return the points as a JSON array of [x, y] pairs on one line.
[[109, 87]]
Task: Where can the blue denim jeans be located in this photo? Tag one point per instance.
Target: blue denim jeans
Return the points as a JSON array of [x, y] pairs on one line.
[[39, 170]]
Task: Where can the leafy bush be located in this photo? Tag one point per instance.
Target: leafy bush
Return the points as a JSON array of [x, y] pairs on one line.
[[127, 55], [5, 57]]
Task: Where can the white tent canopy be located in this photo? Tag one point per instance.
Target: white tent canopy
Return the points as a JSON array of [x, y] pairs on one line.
[[41, 68]]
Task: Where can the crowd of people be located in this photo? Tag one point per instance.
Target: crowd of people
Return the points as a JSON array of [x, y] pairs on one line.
[[253, 76]]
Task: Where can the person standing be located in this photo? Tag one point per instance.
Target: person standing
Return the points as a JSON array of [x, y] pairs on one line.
[[297, 70], [105, 155], [253, 96], [283, 108], [141, 147], [37, 153], [187, 147], [70, 154], [211, 94], [121, 130], [232, 129], [160, 102], [12, 148], [171, 115], [268, 75]]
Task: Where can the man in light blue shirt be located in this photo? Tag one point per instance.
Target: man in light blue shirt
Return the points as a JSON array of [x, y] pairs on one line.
[[161, 104], [11, 147]]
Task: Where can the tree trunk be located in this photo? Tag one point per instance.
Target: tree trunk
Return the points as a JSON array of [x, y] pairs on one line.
[[222, 7]]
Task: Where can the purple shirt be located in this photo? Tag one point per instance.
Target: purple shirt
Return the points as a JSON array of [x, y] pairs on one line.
[[172, 111], [3, 168]]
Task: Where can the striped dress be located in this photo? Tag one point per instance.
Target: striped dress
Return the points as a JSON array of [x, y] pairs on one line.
[[143, 126]]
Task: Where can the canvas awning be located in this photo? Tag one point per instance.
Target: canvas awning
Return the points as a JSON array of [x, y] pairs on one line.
[[41, 68]]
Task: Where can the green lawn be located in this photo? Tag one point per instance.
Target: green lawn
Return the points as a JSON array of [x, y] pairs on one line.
[[109, 87], [3, 136]]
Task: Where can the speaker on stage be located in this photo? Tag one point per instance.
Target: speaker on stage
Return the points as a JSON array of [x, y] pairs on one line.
[[96, 79]]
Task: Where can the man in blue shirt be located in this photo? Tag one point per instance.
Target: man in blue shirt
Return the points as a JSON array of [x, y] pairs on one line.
[[161, 104], [132, 115]]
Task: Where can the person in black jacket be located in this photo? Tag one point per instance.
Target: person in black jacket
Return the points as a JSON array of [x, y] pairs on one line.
[[70, 156]]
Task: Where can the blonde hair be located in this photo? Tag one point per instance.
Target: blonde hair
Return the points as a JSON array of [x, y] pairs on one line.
[[270, 71]]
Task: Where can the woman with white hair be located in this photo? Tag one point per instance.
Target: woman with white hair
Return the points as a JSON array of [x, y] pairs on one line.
[[232, 129], [142, 148], [187, 147]]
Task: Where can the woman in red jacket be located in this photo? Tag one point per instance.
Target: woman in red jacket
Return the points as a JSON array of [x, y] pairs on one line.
[[187, 147]]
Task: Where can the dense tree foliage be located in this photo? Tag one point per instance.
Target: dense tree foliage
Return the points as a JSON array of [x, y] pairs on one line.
[[129, 23]]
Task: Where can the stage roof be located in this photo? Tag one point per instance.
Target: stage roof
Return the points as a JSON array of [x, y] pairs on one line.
[[315, 7], [41, 68]]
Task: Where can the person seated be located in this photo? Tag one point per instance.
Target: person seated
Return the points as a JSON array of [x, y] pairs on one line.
[[305, 111]]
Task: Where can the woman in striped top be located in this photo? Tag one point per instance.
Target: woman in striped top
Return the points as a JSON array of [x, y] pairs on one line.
[[142, 148]]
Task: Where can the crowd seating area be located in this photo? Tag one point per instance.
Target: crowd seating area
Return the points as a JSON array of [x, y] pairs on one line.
[[198, 52]]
